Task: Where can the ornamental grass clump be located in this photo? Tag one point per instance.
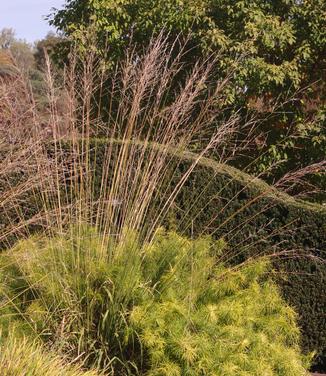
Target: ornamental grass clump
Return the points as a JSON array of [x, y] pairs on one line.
[[19, 356], [158, 308], [91, 278]]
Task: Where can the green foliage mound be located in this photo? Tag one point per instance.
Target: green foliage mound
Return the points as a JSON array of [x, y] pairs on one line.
[[159, 308]]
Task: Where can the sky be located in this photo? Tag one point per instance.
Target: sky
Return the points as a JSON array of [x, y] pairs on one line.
[[26, 17]]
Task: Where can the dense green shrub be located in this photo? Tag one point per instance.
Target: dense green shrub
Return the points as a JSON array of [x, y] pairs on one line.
[[159, 308], [254, 219], [270, 223]]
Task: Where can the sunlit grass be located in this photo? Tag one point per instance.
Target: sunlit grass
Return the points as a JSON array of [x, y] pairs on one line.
[[91, 275]]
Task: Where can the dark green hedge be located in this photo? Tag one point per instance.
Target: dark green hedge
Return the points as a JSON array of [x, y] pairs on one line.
[[254, 219], [269, 224]]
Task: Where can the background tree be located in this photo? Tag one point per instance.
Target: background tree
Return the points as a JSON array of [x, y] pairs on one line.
[[277, 50], [21, 52], [26, 63], [7, 36], [46, 46]]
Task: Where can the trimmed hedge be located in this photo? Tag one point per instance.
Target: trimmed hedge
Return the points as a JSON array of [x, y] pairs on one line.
[[271, 223], [254, 218]]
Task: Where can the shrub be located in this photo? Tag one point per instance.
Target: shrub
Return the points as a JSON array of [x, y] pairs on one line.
[[255, 219], [161, 308]]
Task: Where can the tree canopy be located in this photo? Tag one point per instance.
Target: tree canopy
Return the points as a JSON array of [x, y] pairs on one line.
[[283, 41], [277, 49]]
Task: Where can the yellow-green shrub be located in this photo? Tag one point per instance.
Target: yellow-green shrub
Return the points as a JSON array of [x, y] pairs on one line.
[[158, 308]]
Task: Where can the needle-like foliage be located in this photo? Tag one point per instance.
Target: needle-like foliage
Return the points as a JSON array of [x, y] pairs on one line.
[[159, 308]]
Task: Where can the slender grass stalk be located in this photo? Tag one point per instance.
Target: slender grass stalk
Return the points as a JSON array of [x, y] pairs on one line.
[[100, 191]]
